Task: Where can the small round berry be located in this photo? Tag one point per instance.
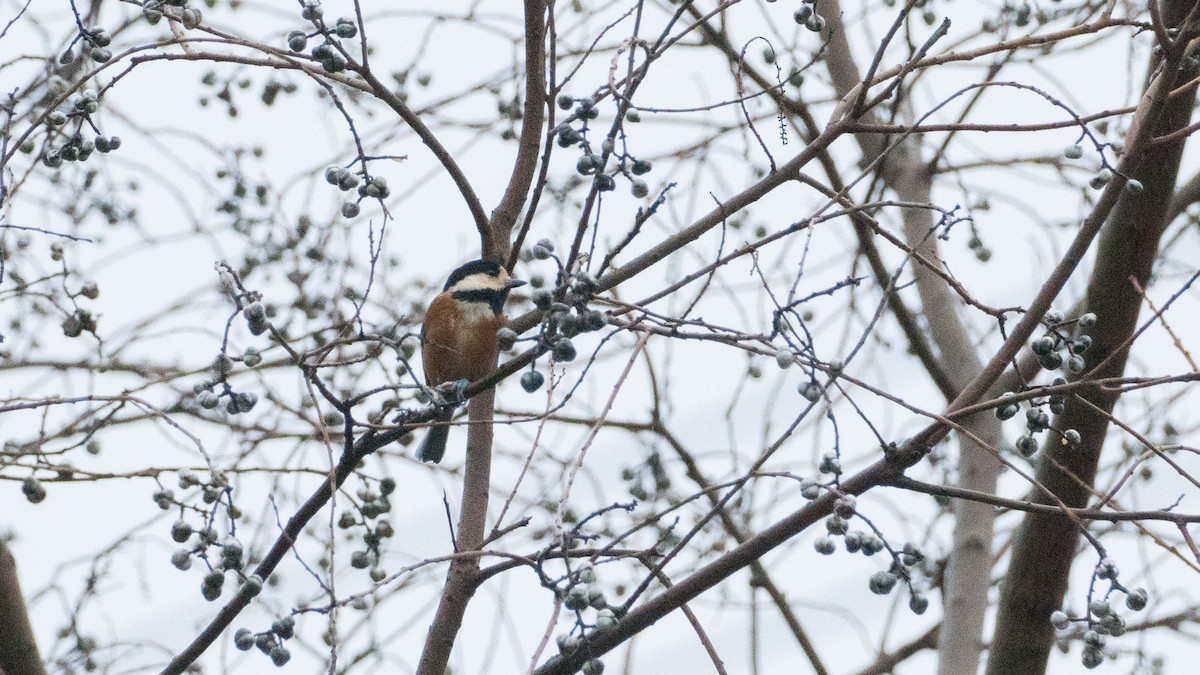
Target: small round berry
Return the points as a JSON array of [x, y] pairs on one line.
[[243, 639], [181, 531], [1059, 619], [882, 583], [1100, 179], [1137, 599], [334, 64], [253, 586], [1051, 361], [836, 525], [280, 655], [593, 667], [1134, 186], [811, 391], [1071, 436], [100, 54], [311, 11], [360, 560], [845, 506], [1114, 624], [854, 541], [1100, 608], [532, 380], [594, 321], [210, 588], [588, 164], [251, 357], [640, 167], [606, 618], [566, 643], [506, 338], [190, 17], [350, 210], [348, 181], [825, 546], [784, 358], [639, 189], [346, 28], [802, 15], [830, 464], [872, 545], [1006, 412], [1073, 151], [297, 40], [911, 555], [1081, 344], [1076, 364], [810, 489], [1026, 445], [33, 490], [918, 603], [1087, 320], [1092, 657], [563, 350], [208, 400]]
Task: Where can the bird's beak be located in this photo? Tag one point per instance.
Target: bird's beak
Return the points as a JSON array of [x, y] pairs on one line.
[[513, 283]]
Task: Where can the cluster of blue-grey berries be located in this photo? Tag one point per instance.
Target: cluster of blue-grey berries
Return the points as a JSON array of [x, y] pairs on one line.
[[372, 505], [81, 319], [210, 392], [565, 315], [68, 126], [810, 389], [592, 164], [369, 187], [583, 597], [1050, 350], [94, 43], [269, 642], [1101, 620], [807, 16], [326, 52], [906, 563], [189, 15], [1105, 174]]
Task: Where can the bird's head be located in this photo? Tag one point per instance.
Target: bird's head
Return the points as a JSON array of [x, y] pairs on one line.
[[481, 280]]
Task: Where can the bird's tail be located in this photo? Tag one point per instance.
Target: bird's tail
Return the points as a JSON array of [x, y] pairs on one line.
[[434, 445]]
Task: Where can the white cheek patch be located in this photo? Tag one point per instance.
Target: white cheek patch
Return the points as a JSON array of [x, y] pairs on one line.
[[478, 282]]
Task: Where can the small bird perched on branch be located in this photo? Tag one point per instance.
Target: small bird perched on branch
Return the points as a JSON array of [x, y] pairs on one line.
[[458, 340]]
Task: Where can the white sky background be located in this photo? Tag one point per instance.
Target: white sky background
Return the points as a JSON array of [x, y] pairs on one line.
[[144, 599]]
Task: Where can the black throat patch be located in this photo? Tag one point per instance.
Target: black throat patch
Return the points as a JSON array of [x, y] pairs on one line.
[[493, 297]]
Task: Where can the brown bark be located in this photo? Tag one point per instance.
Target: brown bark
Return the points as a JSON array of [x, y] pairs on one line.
[[1045, 546], [18, 650]]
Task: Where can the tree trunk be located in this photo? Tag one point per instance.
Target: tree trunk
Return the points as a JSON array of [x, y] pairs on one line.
[[1046, 545]]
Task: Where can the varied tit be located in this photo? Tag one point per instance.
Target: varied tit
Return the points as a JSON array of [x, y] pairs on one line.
[[458, 341]]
